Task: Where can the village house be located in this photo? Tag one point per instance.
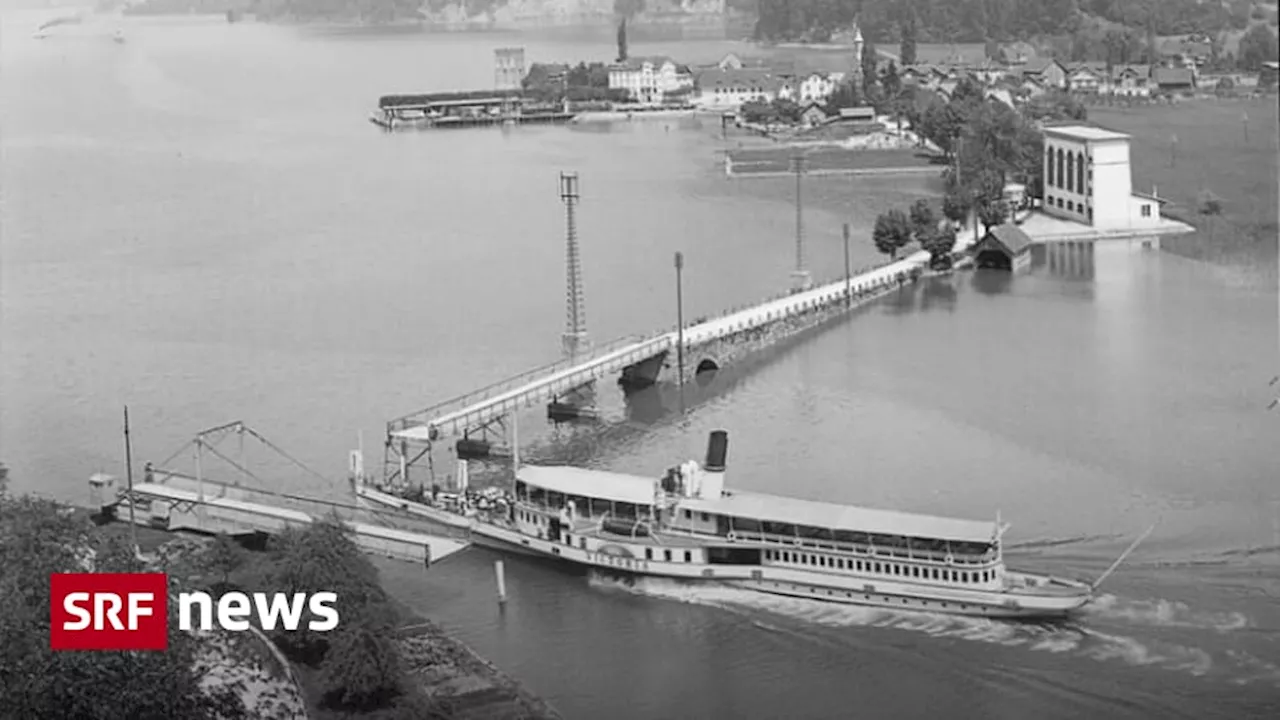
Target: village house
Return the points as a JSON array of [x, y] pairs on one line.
[[650, 79], [1130, 81], [1186, 52], [813, 115], [1016, 53], [729, 89], [1084, 78], [1046, 71], [816, 86], [1269, 74], [1173, 80]]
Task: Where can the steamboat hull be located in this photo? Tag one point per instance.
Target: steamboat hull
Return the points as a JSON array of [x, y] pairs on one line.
[[1070, 596]]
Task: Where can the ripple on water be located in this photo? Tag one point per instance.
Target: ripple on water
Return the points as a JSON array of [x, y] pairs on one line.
[[1077, 639]]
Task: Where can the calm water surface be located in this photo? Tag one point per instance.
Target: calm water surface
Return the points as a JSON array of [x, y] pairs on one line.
[[201, 223]]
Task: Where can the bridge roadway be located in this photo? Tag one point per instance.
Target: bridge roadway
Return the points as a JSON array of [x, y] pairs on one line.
[[543, 385]]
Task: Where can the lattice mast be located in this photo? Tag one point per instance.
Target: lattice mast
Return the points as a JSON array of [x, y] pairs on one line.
[[801, 280], [575, 338]]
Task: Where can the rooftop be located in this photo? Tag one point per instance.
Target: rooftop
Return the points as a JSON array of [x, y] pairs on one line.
[[812, 513], [618, 487], [1088, 133]]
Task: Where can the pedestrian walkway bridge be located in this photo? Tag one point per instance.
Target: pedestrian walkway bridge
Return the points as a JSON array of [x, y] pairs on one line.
[[639, 361]]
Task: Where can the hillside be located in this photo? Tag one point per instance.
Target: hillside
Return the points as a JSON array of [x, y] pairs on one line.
[[978, 20]]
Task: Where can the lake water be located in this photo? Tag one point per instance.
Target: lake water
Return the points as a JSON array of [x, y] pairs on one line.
[[201, 223]]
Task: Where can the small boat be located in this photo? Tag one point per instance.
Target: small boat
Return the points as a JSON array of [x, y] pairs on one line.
[[688, 525], [118, 36]]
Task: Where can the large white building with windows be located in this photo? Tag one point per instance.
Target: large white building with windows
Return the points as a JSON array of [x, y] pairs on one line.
[[1087, 180]]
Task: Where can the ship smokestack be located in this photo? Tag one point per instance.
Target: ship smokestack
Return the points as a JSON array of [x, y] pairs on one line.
[[717, 451]]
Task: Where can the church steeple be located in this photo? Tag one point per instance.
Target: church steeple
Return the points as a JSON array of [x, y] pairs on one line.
[[857, 53]]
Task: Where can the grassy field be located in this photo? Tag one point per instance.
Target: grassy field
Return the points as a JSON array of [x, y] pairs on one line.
[[1211, 155]]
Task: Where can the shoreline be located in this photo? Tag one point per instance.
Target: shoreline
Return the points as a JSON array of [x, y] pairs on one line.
[[442, 666]]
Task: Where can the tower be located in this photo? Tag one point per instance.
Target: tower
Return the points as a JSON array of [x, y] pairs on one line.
[[856, 72], [508, 68], [575, 322]]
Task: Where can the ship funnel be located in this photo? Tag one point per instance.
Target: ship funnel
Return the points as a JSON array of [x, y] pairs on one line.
[[717, 451]]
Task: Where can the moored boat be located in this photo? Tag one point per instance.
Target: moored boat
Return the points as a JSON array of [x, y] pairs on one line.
[[688, 525]]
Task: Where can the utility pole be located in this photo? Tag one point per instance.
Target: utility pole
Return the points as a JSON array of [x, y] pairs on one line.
[[800, 276], [1245, 119], [1173, 151], [680, 317], [128, 474], [848, 279], [575, 338]]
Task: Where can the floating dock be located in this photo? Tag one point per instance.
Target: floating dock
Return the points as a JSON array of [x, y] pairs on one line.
[[465, 109]]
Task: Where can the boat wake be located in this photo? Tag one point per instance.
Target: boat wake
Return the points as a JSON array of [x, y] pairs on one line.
[[1077, 638]]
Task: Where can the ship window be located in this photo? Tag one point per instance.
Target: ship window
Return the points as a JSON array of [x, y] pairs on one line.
[[688, 556], [582, 543], [688, 515], [935, 573], [877, 567], [840, 563], [915, 572], [964, 577], [648, 553], [822, 560], [705, 517], [859, 565], [666, 555]]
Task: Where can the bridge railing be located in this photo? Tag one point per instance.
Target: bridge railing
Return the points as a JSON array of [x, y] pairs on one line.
[[853, 277], [461, 402]]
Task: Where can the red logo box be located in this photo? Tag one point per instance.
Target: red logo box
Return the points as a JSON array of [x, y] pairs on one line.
[[109, 611]]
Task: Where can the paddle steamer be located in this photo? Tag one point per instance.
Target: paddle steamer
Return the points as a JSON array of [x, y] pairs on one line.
[[688, 525]]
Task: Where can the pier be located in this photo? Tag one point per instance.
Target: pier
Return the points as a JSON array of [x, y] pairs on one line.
[[479, 420], [465, 109], [177, 501]]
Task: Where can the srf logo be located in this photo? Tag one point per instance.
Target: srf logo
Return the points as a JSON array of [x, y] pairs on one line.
[[130, 611], [109, 611]]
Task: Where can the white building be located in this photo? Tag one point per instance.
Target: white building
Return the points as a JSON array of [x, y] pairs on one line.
[[729, 89], [1087, 180], [816, 87], [649, 79]]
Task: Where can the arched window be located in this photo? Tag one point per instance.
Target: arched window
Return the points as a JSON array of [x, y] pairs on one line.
[[1048, 173], [1060, 169], [1071, 172], [1080, 173]]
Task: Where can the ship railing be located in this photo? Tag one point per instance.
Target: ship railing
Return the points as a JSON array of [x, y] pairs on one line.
[[866, 550]]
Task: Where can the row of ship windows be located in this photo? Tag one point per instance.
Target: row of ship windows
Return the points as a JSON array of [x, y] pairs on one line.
[[912, 571]]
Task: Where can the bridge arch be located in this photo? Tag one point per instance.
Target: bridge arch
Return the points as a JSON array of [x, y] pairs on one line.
[[706, 365]]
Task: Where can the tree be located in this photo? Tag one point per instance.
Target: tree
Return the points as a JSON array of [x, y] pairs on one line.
[[223, 556], [907, 44], [923, 221], [1210, 206], [869, 64], [322, 558], [1258, 45], [989, 202], [892, 232], [846, 95], [890, 81], [365, 670], [622, 40], [956, 206], [38, 538], [939, 242]]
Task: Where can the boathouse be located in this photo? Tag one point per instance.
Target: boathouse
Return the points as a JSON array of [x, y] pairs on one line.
[[1004, 247]]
